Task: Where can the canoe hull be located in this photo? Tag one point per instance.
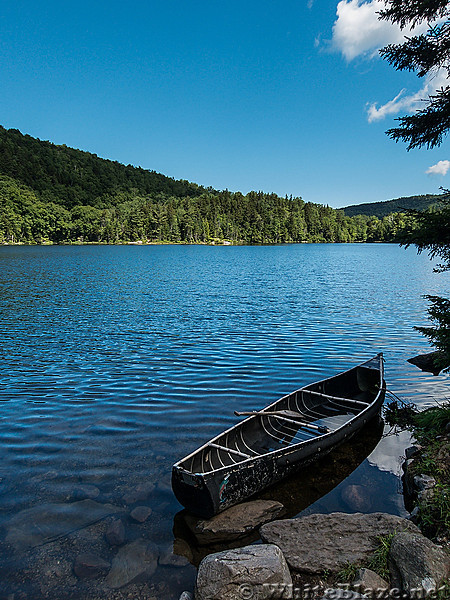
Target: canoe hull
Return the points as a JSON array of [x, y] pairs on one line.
[[206, 494]]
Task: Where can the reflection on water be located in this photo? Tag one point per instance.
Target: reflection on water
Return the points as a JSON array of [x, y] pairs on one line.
[[117, 361]]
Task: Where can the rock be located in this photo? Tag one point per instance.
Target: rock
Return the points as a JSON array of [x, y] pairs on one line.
[[173, 560], [342, 594], [138, 494], [414, 516], [412, 451], [81, 492], [426, 362], [186, 596], [357, 498], [447, 428], [141, 513], [256, 572], [425, 495], [369, 581], [424, 482], [235, 522], [34, 526], [316, 543], [415, 562], [90, 566], [115, 532], [134, 562]]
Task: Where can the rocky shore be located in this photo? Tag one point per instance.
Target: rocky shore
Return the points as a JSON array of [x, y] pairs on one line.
[[320, 556]]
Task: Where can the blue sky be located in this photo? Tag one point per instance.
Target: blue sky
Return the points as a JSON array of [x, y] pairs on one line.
[[286, 97]]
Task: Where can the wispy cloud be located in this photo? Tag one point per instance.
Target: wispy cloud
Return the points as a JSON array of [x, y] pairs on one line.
[[409, 103], [440, 168]]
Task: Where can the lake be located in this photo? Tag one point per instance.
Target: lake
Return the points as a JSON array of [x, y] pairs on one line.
[[119, 360]]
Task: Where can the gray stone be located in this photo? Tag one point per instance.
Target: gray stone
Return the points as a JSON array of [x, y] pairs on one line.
[[415, 515], [115, 532], [90, 566], [235, 522], [416, 563], [256, 572], [357, 498], [426, 362], [369, 581], [83, 491], [138, 494], [34, 526], [141, 513], [424, 482], [412, 451], [134, 562], [316, 543], [425, 495], [341, 594], [173, 560], [186, 596]]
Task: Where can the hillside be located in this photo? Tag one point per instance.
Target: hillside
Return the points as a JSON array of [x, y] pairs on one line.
[[55, 194], [383, 209], [72, 177]]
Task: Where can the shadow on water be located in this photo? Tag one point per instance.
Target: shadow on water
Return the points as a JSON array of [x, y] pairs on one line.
[[296, 493]]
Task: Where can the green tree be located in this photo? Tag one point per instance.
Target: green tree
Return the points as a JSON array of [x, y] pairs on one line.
[[425, 54]]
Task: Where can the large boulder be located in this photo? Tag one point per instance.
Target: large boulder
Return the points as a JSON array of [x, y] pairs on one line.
[[316, 543], [257, 572], [416, 563], [235, 522]]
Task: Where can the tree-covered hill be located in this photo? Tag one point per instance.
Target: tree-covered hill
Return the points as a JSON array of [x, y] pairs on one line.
[[382, 209], [72, 177], [55, 194]]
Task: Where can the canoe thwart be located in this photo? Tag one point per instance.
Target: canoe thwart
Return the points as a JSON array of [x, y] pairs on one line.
[[285, 415], [339, 399]]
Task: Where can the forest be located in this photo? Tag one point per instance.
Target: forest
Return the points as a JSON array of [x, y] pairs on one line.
[[55, 194]]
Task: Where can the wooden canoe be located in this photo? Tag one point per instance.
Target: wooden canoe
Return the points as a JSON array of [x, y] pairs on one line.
[[276, 441]]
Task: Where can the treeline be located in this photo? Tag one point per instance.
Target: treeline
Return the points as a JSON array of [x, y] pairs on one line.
[[207, 218], [55, 194], [383, 209]]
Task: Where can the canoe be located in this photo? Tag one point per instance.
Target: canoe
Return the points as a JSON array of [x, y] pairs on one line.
[[278, 440]]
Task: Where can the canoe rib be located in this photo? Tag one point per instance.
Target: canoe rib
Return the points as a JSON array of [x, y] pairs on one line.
[[256, 453]]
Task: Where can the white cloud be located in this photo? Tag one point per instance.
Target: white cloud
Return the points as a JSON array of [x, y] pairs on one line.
[[440, 168], [409, 103], [358, 30]]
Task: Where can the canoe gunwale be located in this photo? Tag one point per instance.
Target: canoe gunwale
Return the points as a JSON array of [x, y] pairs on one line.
[[292, 448]]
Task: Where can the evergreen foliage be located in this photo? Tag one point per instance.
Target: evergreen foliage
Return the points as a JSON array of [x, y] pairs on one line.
[[424, 54], [383, 209], [55, 194]]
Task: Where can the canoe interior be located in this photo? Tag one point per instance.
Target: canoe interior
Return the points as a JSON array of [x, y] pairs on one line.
[[352, 392]]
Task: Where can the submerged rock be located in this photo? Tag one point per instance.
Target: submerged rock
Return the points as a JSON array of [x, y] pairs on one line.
[[90, 566], [115, 532], [133, 562], [235, 522], [256, 572], [357, 498], [141, 513], [316, 543], [138, 494], [415, 562], [34, 526]]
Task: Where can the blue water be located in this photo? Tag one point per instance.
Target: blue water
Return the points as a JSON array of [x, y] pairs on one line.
[[116, 361]]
